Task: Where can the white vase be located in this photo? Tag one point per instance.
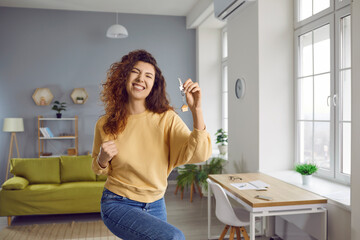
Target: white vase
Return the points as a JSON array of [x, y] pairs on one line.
[[306, 179], [223, 149]]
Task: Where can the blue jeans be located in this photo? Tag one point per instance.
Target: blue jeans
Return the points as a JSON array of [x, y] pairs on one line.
[[129, 219]]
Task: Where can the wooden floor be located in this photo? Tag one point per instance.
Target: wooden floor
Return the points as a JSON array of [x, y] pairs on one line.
[[191, 218]]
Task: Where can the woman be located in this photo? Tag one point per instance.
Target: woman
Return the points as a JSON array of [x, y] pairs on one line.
[[138, 142]]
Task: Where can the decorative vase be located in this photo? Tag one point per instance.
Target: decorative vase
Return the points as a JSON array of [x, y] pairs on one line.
[[223, 149], [58, 115], [306, 179]]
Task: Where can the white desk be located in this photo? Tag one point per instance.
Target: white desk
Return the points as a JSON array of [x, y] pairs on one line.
[[286, 199]]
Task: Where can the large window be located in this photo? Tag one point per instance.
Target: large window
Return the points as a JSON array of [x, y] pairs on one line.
[[323, 81], [224, 71]]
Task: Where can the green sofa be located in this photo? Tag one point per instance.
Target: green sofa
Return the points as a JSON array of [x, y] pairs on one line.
[[57, 185]]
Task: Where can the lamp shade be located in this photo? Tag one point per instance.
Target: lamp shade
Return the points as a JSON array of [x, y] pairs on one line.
[[13, 125], [117, 31]]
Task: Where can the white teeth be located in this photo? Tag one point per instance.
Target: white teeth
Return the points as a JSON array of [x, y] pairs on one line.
[[138, 87]]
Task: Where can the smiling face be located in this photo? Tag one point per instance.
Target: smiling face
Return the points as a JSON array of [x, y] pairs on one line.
[[140, 81]]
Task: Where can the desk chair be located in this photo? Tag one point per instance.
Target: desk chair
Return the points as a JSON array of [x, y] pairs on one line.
[[235, 219]]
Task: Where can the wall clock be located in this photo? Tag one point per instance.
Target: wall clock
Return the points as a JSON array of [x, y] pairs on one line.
[[240, 88]]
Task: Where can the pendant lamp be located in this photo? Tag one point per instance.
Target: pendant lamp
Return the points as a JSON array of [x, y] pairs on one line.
[[117, 30]]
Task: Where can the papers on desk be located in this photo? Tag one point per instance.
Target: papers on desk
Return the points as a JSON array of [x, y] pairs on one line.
[[257, 185]]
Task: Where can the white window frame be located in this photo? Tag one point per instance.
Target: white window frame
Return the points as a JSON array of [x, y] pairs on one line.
[[224, 81], [308, 28], [318, 15], [338, 15], [332, 17]]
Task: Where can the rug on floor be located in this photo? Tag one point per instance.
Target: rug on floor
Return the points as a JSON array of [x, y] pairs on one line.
[[94, 230]]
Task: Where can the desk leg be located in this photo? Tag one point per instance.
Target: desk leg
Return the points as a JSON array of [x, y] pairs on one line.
[[325, 224], [252, 226], [209, 212], [269, 226]]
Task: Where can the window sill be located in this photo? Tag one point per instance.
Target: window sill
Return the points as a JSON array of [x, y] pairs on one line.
[[336, 193]]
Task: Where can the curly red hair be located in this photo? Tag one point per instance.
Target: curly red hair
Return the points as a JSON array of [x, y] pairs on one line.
[[115, 96]]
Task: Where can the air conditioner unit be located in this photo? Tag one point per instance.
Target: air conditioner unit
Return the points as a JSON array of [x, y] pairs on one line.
[[223, 9]]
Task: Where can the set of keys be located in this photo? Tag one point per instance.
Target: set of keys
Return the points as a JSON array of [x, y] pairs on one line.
[[184, 107]]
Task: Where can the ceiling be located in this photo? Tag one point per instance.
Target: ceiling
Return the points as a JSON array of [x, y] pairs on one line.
[[153, 7]]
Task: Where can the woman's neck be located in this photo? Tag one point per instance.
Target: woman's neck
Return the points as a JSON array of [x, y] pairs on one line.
[[136, 107]]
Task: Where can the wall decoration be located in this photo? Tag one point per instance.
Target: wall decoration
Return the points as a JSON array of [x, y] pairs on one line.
[[42, 96], [79, 95]]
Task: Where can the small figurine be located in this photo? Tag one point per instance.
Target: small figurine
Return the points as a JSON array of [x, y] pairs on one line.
[[42, 101]]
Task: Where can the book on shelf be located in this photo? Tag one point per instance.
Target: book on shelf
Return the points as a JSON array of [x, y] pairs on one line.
[[43, 132], [49, 132], [46, 132]]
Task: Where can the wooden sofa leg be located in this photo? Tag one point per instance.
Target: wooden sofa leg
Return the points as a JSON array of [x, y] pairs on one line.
[[9, 220]]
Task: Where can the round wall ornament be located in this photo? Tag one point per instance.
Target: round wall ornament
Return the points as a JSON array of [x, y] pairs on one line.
[[240, 88]]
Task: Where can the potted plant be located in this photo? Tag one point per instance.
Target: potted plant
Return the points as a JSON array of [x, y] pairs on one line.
[[79, 100], [214, 166], [187, 175], [306, 170], [58, 107], [222, 139]]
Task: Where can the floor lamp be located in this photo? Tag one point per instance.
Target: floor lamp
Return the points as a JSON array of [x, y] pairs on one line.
[[12, 125]]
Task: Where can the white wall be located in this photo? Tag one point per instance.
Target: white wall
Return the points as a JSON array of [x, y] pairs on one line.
[[243, 61], [355, 124], [208, 42], [261, 131], [276, 98], [307, 226]]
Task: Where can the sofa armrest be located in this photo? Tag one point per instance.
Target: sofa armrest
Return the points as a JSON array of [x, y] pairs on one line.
[[15, 183]]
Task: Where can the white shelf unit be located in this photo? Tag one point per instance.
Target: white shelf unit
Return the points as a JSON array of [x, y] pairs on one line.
[[41, 139]]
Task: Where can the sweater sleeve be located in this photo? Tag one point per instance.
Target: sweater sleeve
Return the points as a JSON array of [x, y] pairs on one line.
[[95, 151], [185, 146]]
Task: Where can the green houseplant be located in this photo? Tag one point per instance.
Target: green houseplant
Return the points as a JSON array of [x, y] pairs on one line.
[[214, 166], [222, 139], [79, 100], [58, 107], [306, 170], [187, 175], [192, 173]]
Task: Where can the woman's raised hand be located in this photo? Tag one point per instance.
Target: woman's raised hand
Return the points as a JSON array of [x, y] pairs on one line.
[[193, 95], [107, 151]]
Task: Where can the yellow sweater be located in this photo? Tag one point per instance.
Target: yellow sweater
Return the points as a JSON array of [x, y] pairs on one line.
[[148, 149]]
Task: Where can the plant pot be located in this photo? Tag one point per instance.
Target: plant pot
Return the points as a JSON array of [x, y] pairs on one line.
[[306, 179], [223, 149], [58, 115]]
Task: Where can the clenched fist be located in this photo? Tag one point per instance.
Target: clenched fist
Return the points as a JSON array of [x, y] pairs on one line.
[[107, 151]]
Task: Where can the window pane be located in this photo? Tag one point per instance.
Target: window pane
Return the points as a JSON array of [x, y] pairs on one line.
[[305, 9], [224, 45], [345, 83], [306, 56], [305, 100], [225, 104], [322, 49], [305, 141], [320, 5], [225, 125], [321, 94], [322, 144], [225, 79], [345, 31], [346, 148]]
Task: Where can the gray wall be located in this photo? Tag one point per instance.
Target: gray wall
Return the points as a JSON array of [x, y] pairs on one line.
[[63, 50], [355, 123]]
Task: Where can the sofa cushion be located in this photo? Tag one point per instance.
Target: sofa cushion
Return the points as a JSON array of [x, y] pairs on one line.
[[37, 170], [15, 183], [72, 197], [101, 177], [77, 168]]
